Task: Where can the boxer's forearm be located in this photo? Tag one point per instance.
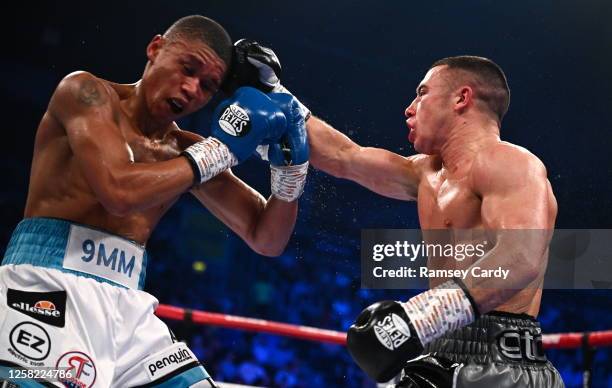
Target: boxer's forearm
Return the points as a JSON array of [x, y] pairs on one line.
[[376, 169], [273, 227], [521, 254], [140, 186], [330, 150], [264, 225]]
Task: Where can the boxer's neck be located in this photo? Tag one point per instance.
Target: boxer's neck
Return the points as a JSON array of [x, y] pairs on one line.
[[135, 108], [465, 139]]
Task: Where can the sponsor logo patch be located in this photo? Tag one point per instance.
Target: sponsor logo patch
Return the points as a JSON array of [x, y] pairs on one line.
[[81, 367], [392, 331], [31, 341], [104, 255], [235, 121], [47, 307], [521, 345], [168, 360]]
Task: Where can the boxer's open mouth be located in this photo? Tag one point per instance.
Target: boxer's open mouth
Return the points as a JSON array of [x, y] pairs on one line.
[[175, 105]]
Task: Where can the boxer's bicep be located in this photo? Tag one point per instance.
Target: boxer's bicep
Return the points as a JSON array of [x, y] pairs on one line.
[[514, 210], [514, 192], [379, 170]]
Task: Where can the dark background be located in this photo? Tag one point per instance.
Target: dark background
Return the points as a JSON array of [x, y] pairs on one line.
[[355, 64]]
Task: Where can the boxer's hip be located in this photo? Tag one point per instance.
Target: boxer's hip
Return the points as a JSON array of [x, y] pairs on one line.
[[70, 297], [497, 350], [77, 249]]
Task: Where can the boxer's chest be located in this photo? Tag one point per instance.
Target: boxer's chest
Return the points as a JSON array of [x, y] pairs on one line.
[[447, 202], [145, 150]]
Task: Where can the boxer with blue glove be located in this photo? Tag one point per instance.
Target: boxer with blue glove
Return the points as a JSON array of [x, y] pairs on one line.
[[288, 156], [109, 161], [240, 124], [258, 66]]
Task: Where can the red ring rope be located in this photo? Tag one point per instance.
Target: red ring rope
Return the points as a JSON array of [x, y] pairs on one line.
[[550, 341]]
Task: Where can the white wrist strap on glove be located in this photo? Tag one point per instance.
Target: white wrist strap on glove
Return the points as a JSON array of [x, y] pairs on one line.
[[267, 76], [209, 158], [288, 181], [440, 310]]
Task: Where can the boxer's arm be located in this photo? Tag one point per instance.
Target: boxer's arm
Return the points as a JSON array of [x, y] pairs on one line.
[[515, 195], [265, 226], [379, 170], [82, 104], [518, 215]]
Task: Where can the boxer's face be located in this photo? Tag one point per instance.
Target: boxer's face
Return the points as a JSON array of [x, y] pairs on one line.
[[430, 113], [181, 78]]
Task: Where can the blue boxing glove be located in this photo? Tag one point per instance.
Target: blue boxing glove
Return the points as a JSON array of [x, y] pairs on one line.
[[294, 143], [289, 156], [240, 124]]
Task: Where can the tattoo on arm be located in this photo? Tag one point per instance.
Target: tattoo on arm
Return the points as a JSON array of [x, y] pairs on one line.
[[90, 94]]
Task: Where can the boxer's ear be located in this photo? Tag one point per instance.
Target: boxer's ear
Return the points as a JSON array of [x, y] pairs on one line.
[[464, 97], [154, 46]]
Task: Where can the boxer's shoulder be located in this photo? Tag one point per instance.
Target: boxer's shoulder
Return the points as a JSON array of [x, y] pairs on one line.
[[503, 154], [79, 92], [87, 88], [504, 162]]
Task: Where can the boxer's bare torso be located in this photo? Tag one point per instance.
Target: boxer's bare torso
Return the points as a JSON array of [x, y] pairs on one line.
[[107, 155], [449, 200], [492, 185], [106, 171], [58, 186]]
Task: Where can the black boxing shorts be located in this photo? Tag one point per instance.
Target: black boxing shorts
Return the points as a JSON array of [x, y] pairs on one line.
[[498, 350]]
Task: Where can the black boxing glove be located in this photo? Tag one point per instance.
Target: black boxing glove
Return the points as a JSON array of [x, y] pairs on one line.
[[257, 66], [382, 339], [252, 65], [389, 333]]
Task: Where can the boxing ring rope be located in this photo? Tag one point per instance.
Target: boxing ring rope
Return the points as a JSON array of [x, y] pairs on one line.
[[588, 341]]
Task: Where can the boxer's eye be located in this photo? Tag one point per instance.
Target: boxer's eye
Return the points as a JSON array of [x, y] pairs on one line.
[[188, 70], [208, 86]]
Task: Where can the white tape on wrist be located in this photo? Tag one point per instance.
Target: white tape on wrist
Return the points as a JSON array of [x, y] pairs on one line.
[[211, 157], [288, 181], [440, 310]]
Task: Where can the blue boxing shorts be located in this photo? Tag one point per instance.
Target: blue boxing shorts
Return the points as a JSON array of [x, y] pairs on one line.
[[71, 299]]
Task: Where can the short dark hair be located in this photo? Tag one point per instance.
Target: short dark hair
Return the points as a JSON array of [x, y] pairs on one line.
[[206, 30], [491, 85]]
